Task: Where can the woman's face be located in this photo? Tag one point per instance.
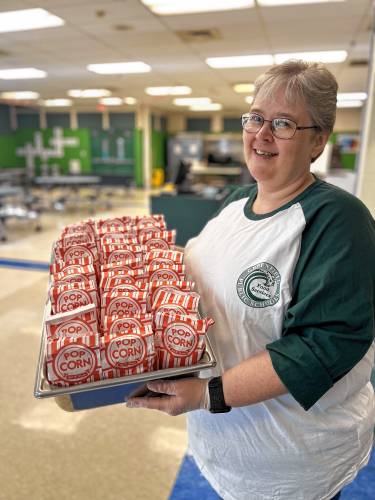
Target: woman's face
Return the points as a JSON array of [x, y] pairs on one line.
[[279, 162]]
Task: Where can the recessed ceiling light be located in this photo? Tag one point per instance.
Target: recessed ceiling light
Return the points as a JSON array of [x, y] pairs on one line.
[[172, 7], [325, 56], [89, 93], [244, 88], [130, 100], [350, 104], [277, 3], [191, 101], [119, 68], [21, 73], [213, 106], [240, 61], [111, 101], [21, 95], [28, 19], [249, 99], [57, 102], [177, 90], [350, 96]]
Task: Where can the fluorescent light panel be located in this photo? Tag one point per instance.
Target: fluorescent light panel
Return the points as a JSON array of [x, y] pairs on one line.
[[57, 102], [111, 101], [213, 106], [325, 56], [28, 19], [21, 73], [350, 104], [191, 101], [130, 100], [249, 61], [173, 7], [160, 91], [278, 3], [89, 93], [244, 88], [350, 96], [119, 68], [21, 95]]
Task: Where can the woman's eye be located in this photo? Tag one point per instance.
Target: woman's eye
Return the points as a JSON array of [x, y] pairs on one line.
[[280, 123], [255, 119]]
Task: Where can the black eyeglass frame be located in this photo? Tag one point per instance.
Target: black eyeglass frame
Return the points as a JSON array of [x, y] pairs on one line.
[[247, 115]]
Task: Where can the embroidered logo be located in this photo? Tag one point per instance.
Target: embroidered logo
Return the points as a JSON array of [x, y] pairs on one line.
[[259, 285]]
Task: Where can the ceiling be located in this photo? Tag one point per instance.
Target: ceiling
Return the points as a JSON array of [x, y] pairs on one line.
[[126, 30]]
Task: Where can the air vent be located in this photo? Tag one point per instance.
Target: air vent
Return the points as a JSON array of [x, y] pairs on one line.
[[199, 36], [358, 62]]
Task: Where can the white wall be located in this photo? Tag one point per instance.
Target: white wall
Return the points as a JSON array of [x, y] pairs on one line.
[[366, 177]]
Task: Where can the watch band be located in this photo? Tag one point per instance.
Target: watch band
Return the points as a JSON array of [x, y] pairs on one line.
[[217, 401]]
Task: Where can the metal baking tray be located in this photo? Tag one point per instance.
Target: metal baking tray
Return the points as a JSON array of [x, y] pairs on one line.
[[111, 391]]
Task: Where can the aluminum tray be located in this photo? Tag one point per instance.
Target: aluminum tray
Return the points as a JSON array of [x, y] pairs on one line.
[[111, 391]]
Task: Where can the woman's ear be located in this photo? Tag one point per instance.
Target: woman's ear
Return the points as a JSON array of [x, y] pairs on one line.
[[319, 141]]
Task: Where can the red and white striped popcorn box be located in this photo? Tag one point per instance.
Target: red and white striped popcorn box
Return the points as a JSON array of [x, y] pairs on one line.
[[165, 272], [69, 296], [170, 257], [175, 302], [73, 361], [85, 226], [112, 225], [126, 354], [77, 323], [149, 219], [154, 286], [127, 277], [125, 265], [162, 240], [123, 303], [60, 265], [179, 340], [75, 273], [115, 253], [128, 238], [87, 250], [111, 279], [115, 324]]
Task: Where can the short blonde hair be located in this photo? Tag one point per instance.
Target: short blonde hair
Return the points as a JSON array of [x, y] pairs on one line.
[[310, 82]]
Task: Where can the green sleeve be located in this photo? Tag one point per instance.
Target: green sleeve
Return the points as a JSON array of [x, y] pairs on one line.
[[329, 325]]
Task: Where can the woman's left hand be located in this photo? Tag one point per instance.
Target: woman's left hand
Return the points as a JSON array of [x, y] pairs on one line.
[[176, 396]]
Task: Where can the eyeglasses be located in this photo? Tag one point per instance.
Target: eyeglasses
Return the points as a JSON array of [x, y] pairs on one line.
[[282, 128]]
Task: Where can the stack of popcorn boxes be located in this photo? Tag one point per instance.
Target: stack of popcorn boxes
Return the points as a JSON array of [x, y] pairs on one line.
[[120, 303]]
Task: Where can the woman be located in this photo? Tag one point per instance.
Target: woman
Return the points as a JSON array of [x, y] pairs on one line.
[[287, 271]]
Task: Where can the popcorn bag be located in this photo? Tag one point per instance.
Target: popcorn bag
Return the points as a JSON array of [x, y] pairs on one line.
[[69, 296], [180, 340], [77, 323], [127, 353], [116, 324], [72, 361]]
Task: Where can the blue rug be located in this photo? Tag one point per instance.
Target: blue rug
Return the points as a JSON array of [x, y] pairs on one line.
[[190, 484]]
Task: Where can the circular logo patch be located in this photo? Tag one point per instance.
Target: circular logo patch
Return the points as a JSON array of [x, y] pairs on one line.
[[259, 285]]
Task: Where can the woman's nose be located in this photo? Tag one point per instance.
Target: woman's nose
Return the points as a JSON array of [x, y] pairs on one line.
[[265, 132]]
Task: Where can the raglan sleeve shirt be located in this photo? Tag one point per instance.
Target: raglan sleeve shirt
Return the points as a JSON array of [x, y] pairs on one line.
[[329, 324]]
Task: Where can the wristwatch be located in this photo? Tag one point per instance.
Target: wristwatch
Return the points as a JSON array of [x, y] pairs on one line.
[[217, 401]]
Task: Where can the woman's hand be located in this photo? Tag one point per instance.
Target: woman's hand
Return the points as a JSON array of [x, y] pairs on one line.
[[176, 396]]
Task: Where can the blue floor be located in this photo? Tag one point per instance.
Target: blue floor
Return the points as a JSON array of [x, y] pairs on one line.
[[191, 485], [26, 265]]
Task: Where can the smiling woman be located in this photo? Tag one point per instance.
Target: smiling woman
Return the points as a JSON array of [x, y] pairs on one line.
[[276, 268]]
